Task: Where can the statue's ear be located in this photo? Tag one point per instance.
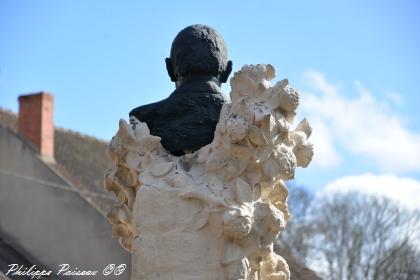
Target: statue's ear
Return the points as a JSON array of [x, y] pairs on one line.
[[225, 75], [170, 69]]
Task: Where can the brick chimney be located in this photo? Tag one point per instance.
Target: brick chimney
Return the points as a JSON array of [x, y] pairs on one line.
[[36, 122]]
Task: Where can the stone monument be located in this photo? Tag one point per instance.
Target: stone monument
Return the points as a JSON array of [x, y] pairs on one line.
[[211, 207]]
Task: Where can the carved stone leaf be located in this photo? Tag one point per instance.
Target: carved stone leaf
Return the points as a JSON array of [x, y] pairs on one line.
[[121, 196], [161, 169], [136, 135], [234, 168], [253, 174], [262, 154], [271, 73], [178, 180], [203, 154], [109, 184], [304, 154], [276, 97], [282, 125], [256, 136], [121, 214], [113, 215], [133, 160], [274, 267], [282, 139], [130, 196], [125, 133], [198, 220], [216, 161], [241, 85], [279, 193], [126, 243], [305, 127], [243, 191], [266, 189], [298, 137], [268, 127], [141, 129], [215, 185], [202, 193], [149, 143], [147, 161], [121, 230], [271, 169], [240, 151]]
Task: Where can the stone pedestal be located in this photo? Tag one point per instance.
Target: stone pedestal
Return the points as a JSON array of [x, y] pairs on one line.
[[165, 246], [213, 214]]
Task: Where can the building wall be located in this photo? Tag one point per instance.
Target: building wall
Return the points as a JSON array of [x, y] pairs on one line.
[[40, 214]]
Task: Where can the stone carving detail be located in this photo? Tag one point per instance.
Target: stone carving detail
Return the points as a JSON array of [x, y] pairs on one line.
[[213, 214]]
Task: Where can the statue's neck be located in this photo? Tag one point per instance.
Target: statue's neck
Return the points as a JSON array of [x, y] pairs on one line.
[[198, 83]]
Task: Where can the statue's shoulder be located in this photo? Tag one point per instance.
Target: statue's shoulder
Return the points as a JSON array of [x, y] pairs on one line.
[[152, 110], [142, 112]]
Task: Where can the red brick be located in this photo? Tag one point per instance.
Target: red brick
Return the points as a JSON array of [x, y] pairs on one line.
[[36, 121]]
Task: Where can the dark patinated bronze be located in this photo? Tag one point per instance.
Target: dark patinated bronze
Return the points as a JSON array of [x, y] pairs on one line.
[[198, 65]]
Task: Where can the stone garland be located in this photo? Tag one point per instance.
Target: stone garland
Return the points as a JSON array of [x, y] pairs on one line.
[[238, 178]]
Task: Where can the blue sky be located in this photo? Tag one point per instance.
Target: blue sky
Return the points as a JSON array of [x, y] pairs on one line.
[[356, 64]]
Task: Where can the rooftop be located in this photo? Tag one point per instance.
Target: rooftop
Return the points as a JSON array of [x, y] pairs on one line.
[[81, 159]]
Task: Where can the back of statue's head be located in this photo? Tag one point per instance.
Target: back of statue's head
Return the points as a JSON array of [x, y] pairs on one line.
[[198, 50]]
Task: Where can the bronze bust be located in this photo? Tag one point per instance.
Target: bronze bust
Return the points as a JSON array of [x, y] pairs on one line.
[[198, 65]]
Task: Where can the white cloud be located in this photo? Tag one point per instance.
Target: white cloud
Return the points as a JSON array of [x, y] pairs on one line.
[[402, 189], [362, 125], [317, 81], [326, 154], [395, 97]]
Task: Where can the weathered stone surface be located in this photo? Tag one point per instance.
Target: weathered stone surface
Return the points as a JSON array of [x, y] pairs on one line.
[[213, 214]]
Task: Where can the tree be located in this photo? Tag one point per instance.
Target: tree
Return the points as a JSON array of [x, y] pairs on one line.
[[358, 236], [295, 240]]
